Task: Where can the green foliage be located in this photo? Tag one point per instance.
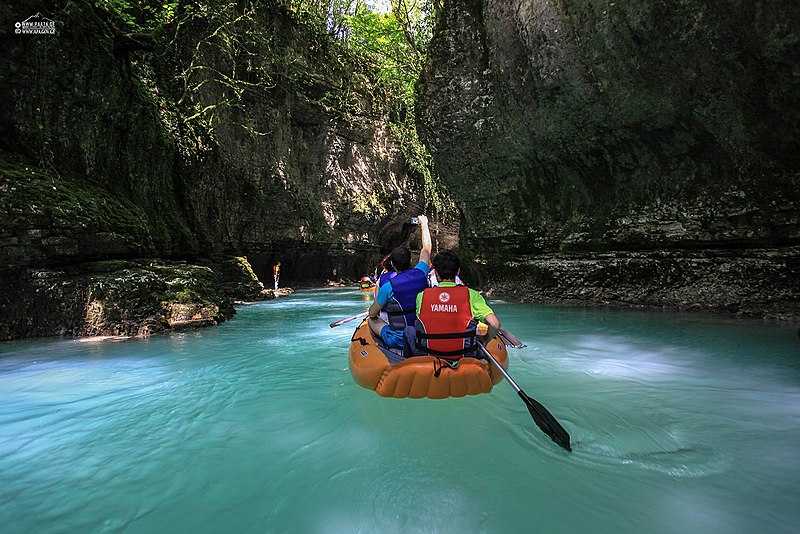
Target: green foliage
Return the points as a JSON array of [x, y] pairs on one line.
[[395, 45], [326, 15], [417, 18], [141, 15], [380, 54], [379, 40]]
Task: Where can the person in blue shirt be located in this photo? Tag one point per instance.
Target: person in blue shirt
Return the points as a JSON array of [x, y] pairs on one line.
[[394, 307]]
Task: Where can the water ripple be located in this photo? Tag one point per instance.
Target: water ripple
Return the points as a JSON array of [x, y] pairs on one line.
[[678, 425]]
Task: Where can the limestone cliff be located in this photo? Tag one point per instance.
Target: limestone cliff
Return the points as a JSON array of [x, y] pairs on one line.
[[225, 131], [593, 144], [232, 129]]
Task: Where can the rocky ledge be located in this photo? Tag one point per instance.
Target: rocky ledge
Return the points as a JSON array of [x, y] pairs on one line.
[[125, 297], [269, 294], [758, 283]]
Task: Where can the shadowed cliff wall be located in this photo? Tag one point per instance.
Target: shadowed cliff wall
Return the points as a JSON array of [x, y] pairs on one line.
[[590, 126]]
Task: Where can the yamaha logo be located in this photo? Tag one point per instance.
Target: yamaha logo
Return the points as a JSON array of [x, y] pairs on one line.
[[444, 297]]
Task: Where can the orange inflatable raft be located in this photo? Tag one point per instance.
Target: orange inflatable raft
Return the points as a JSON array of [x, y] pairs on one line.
[[415, 377]]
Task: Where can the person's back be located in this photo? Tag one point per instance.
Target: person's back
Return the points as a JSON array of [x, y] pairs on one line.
[[446, 326], [448, 314], [394, 307], [384, 278], [400, 303]]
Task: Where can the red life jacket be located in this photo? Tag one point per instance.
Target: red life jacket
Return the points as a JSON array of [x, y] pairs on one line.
[[445, 326]]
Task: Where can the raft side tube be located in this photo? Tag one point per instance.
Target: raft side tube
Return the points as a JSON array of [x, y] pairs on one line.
[[414, 377]]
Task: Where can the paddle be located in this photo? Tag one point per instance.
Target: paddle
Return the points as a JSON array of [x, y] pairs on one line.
[[340, 322], [543, 419], [510, 339]]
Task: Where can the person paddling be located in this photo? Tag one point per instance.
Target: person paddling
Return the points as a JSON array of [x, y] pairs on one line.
[[394, 306], [448, 314]]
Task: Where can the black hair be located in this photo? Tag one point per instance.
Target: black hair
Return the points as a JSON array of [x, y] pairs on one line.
[[401, 258], [446, 264]]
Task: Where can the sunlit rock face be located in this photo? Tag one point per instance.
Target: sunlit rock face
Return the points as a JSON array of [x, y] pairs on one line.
[[179, 145], [239, 133], [599, 126]]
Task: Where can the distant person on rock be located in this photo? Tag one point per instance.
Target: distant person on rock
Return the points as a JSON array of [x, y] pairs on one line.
[[448, 314], [276, 273], [394, 306]]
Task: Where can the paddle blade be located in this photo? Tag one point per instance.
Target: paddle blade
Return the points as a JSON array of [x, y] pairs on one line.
[[546, 422], [340, 322], [511, 340]]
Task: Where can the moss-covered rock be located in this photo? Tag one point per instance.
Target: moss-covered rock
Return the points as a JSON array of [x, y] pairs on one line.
[[237, 279], [270, 294], [49, 219], [232, 128], [132, 298]]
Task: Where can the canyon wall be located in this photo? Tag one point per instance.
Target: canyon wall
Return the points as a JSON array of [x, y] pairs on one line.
[[641, 153], [233, 129]]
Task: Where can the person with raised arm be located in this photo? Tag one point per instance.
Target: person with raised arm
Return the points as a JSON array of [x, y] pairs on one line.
[[394, 307]]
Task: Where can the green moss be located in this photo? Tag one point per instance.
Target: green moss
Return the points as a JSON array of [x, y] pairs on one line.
[[244, 265], [185, 296], [143, 287], [33, 198]]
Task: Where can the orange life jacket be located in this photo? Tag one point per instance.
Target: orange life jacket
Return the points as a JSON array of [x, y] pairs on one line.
[[445, 326]]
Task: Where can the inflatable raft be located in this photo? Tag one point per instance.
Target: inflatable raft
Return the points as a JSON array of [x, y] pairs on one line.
[[420, 376], [366, 284]]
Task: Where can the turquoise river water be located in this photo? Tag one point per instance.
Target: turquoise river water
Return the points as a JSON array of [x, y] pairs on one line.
[[680, 424]]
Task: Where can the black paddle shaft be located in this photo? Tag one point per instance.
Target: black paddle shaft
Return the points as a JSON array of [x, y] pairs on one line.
[[541, 416]]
